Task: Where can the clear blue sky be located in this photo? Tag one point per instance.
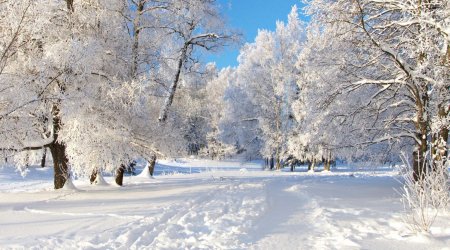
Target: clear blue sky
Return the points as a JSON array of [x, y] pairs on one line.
[[248, 16]]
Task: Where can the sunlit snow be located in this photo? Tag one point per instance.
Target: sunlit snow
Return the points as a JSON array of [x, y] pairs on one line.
[[200, 204]]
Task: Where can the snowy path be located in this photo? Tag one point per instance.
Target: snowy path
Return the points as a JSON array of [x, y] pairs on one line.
[[330, 212], [208, 214], [213, 210]]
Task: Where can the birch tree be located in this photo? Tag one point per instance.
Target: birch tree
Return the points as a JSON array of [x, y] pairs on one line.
[[198, 25]]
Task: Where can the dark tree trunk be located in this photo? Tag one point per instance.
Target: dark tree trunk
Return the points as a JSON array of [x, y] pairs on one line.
[[60, 166], [272, 162], [327, 163], [311, 165], [119, 174], [70, 5], [173, 87], [93, 176], [151, 165], [27, 159], [419, 155], [58, 151], [44, 157]]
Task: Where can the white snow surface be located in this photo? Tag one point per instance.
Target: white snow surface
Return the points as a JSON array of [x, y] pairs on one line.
[[200, 204]]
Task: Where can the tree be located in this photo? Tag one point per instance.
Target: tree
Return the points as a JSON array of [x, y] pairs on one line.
[[239, 126], [395, 58], [198, 25], [90, 88], [268, 74], [72, 61], [216, 106]]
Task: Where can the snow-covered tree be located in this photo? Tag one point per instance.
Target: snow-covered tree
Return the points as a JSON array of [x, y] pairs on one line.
[[239, 124], [392, 62], [64, 67], [83, 78], [198, 26], [268, 75], [215, 107]]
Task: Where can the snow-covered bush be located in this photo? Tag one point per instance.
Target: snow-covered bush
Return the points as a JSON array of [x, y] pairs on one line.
[[425, 198]]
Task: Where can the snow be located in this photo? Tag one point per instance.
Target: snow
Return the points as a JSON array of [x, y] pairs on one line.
[[99, 180], [200, 204]]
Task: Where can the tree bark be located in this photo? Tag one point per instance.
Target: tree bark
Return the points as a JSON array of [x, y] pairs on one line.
[[151, 165], [60, 164], [93, 176], [58, 151], [312, 165], [27, 159], [422, 128], [119, 174], [173, 87], [70, 5], [419, 154], [44, 157], [136, 31], [439, 140], [279, 132], [327, 164]]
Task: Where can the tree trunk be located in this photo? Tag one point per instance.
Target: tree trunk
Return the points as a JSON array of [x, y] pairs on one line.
[[278, 162], [93, 176], [173, 87], [58, 148], [271, 162], [44, 157], [439, 141], [119, 174], [60, 166], [312, 165], [327, 164], [151, 165], [58, 151], [279, 132], [70, 5], [27, 159], [419, 154], [136, 31]]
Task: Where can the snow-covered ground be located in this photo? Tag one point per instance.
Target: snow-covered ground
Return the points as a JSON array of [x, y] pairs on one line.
[[199, 204]]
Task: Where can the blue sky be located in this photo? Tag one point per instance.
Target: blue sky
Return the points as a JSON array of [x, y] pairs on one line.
[[248, 16]]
